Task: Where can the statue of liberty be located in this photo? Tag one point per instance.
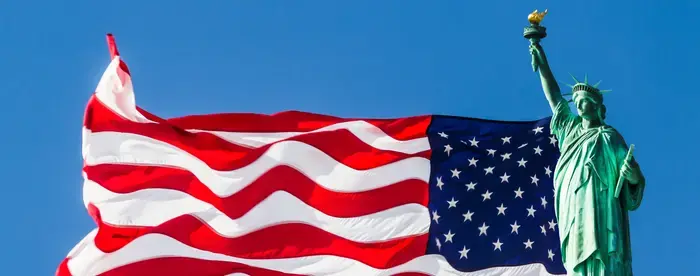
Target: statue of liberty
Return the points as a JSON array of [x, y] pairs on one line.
[[596, 180]]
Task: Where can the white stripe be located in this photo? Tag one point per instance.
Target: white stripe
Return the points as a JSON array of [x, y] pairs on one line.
[[117, 97], [83, 243], [121, 100], [127, 148], [366, 132], [152, 207], [92, 261]]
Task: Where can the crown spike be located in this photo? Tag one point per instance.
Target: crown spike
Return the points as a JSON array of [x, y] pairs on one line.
[[572, 76], [585, 78], [605, 91], [598, 83], [563, 83]]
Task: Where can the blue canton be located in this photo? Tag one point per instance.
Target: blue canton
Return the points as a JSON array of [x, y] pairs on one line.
[[491, 193]]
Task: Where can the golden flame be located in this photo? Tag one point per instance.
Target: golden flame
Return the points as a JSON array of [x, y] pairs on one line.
[[535, 17]]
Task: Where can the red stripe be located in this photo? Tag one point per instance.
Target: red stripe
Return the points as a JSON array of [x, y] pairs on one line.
[[222, 155], [296, 121], [180, 266], [62, 269], [405, 128], [128, 178], [279, 241], [112, 45]]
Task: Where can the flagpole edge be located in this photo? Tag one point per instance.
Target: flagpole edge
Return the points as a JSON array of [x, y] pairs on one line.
[[111, 43]]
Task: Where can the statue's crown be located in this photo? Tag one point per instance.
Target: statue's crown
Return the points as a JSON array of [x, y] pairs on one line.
[[585, 87], [582, 86]]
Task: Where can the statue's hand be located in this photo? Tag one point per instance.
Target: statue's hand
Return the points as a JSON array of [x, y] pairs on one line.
[[630, 171], [537, 59]]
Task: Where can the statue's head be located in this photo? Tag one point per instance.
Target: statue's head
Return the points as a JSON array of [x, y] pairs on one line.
[[588, 100]]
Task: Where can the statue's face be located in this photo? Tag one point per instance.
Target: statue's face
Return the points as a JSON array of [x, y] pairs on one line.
[[586, 108]]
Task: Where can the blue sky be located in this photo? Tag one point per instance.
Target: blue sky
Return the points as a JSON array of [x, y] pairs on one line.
[[359, 58]]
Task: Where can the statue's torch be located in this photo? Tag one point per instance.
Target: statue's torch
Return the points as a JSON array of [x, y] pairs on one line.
[[535, 32]]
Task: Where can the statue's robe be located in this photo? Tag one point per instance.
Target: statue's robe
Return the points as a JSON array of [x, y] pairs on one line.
[[593, 224]]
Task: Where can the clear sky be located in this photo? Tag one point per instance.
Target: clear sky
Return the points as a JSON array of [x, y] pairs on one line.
[[361, 59]]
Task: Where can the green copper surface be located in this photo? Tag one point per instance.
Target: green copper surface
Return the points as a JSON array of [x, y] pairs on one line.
[[593, 220]]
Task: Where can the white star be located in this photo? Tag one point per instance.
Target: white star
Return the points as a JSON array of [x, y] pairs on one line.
[[468, 216], [471, 186], [497, 245], [522, 146], [522, 162], [486, 195], [448, 236], [519, 193], [553, 140], [537, 130], [483, 228], [437, 242], [506, 140], [514, 227], [547, 171], [504, 177], [448, 149], [531, 211], [538, 150], [439, 182], [472, 161], [452, 203], [552, 224], [474, 142], [534, 180], [489, 170], [492, 152], [544, 229], [455, 173], [528, 244], [436, 216], [544, 201], [501, 210], [505, 156], [442, 134], [550, 254], [463, 252]]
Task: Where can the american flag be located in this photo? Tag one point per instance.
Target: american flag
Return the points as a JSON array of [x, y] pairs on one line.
[[297, 193]]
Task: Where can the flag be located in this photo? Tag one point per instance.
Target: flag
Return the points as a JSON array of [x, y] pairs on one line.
[[297, 193]]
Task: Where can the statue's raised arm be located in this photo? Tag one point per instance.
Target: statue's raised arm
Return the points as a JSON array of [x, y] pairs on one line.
[[535, 33], [549, 83]]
